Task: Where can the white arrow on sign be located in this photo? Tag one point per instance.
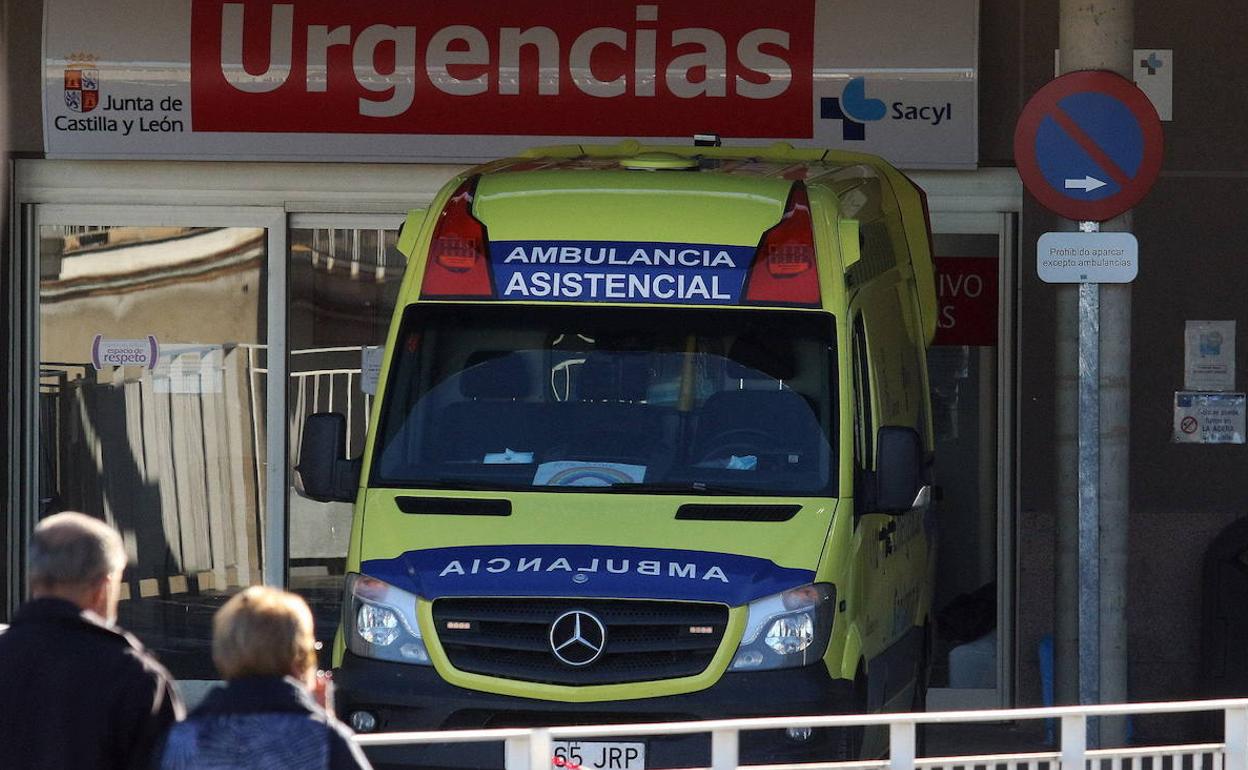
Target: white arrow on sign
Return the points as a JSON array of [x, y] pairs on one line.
[[1087, 184]]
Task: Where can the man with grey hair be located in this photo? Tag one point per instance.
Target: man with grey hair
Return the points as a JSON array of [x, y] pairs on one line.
[[75, 690]]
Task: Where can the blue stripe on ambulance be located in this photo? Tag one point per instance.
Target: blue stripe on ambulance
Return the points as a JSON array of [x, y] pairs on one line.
[[587, 571]]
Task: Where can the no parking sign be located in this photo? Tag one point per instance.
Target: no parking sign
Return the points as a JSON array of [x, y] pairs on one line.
[[1088, 145]]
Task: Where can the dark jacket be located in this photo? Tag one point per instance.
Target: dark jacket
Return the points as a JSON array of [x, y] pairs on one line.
[[76, 692], [263, 722]]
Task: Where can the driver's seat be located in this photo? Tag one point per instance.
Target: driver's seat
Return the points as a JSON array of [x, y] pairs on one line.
[[758, 421]]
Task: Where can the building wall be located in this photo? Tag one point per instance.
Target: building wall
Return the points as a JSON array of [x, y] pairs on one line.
[[23, 47], [4, 322], [1001, 28], [1191, 234], [21, 24]]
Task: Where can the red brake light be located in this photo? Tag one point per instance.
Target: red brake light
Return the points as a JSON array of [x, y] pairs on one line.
[[457, 265], [784, 270]]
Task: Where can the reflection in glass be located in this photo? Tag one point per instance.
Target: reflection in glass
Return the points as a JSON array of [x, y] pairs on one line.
[[964, 392], [152, 416], [343, 286]]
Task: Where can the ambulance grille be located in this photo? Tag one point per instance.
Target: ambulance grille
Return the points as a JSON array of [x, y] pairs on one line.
[[509, 638]]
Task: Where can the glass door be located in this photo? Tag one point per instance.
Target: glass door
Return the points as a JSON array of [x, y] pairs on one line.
[[344, 274], [154, 354], [970, 374]]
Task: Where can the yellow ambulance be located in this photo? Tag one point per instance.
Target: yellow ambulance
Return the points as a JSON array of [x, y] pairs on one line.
[[652, 442]]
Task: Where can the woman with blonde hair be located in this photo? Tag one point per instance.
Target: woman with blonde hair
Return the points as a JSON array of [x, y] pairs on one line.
[[267, 715]]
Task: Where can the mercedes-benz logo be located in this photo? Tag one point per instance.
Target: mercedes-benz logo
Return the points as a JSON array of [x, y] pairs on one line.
[[577, 638]]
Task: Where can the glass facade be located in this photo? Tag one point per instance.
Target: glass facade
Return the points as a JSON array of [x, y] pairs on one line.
[[962, 371], [152, 413], [343, 284]]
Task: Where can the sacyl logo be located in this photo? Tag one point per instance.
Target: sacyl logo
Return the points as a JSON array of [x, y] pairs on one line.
[[854, 109]]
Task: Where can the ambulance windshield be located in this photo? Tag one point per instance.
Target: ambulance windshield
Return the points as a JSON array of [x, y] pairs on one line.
[[619, 399]]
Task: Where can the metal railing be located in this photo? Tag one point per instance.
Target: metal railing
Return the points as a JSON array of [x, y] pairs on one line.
[[533, 749], [372, 249], [326, 387]]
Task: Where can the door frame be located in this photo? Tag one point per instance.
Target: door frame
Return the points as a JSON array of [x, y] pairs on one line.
[[1004, 226], [990, 201], [263, 194], [334, 221], [278, 196], [36, 216]]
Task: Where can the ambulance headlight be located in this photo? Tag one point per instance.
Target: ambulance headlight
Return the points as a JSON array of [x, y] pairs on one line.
[[380, 622], [788, 629]]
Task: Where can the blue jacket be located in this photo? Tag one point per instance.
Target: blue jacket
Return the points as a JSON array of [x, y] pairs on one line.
[[263, 722]]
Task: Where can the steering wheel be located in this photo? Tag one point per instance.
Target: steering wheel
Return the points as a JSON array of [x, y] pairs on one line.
[[738, 441]]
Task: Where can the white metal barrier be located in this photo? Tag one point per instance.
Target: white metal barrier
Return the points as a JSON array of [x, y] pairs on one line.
[[328, 389], [532, 749], [316, 389]]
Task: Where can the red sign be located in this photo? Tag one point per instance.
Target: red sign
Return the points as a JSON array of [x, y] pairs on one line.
[[475, 67], [966, 289], [1088, 145]]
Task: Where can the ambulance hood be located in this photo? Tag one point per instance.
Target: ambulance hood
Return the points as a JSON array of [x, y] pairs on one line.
[[602, 546]]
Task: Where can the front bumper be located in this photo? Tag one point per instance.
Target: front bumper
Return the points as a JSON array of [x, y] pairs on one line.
[[404, 697]]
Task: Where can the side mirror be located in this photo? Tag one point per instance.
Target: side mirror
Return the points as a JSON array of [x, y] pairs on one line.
[[327, 474], [898, 469]]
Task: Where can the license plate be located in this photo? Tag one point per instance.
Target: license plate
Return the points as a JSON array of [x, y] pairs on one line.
[[596, 755]]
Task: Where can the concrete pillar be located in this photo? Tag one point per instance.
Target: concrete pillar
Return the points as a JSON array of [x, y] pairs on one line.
[[1095, 34]]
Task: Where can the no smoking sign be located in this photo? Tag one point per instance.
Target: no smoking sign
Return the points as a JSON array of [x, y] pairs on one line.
[[1202, 417]]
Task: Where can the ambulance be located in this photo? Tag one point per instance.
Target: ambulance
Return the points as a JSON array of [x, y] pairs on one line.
[[652, 442]]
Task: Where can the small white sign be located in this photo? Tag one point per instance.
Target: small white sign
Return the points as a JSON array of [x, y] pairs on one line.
[[1087, 257], [1209, 360], [370, 368], [1208, 418], [1154, 74], [106, 352]]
